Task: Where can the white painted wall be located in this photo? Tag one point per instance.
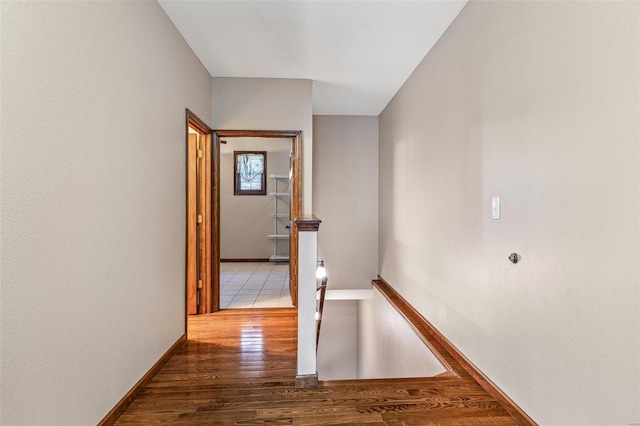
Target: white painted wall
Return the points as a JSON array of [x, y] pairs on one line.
[[268, 104], [244, 219], [345, 198], [387, 344], [537, 103], [307, 255], [364, 337], [93, 202], [338, 344]]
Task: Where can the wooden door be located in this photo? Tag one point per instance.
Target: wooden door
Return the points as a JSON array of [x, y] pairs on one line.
[[203, 223], [192, 248], [198, 224]]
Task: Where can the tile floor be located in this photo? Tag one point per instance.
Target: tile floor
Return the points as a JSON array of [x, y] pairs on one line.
[[254, 285]]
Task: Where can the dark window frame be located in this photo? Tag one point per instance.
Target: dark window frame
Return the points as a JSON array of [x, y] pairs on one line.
[[236, 175]]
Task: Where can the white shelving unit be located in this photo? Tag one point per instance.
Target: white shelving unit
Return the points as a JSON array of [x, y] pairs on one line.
[[278, 215]]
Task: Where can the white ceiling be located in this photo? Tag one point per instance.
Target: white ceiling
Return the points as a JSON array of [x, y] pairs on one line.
[[358, 53]]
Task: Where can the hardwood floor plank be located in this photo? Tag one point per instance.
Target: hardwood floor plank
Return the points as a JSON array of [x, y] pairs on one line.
[[357, 419], [146, 404]]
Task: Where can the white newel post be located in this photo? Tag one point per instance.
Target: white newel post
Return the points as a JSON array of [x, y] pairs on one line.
[[307, 374]]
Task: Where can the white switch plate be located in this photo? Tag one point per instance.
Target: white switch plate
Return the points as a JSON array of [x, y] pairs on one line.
[[495, 208]]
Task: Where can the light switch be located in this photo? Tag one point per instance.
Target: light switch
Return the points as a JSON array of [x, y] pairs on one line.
[[495, 208]]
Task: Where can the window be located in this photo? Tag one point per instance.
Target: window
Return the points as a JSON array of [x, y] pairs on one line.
[[250, 172]]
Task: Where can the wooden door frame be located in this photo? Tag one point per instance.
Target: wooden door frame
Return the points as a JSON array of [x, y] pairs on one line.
[[296, 202], [203, 197]]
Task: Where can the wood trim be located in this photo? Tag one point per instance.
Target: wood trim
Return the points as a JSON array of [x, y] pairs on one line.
[[296, 211], [196, 123], [307, 381], [207, 293], [122, 405], [308, 223], [258, 133], [418, 320], [215, 224], [244, 260]]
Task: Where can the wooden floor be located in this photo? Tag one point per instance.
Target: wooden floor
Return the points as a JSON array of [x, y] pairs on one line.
[[238, 368]]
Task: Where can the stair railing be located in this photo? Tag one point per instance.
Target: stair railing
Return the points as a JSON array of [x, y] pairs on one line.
[[322, 288]]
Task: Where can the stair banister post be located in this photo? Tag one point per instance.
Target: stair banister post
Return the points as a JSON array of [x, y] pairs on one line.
[[307, 374]]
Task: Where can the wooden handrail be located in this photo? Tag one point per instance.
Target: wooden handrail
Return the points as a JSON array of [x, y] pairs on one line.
[[323, 289]]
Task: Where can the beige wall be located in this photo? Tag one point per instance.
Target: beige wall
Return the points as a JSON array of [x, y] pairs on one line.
[[345, 197], [537, 103], [244, 219], [267, 104], [93, 202]]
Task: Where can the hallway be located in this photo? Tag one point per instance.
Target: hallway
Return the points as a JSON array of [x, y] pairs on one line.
[[239, 366]]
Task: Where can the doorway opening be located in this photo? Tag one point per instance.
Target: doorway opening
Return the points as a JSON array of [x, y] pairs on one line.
[[255, 196], [203, 212], [267, 166]]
